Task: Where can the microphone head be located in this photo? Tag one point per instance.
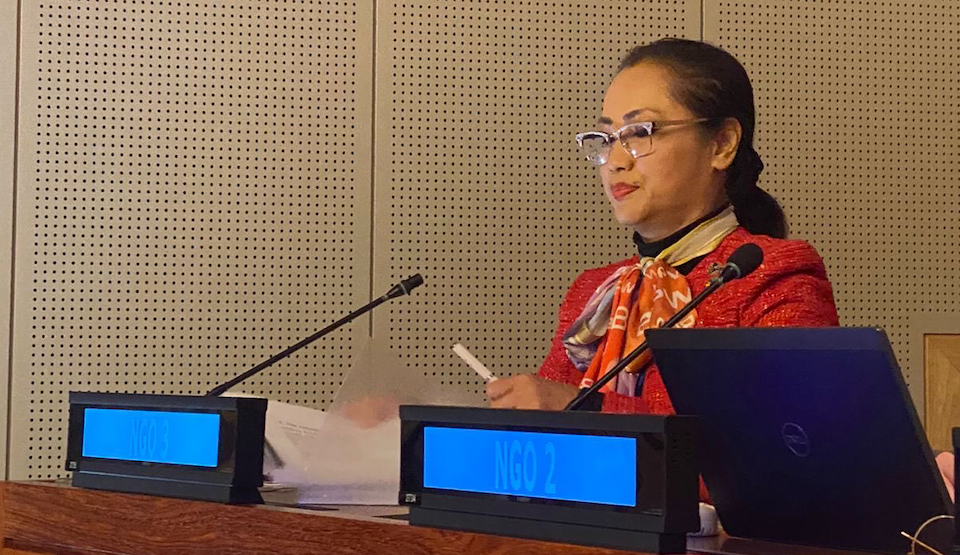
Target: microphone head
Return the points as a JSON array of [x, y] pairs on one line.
[[412, 282], [743, 261], [405, 286]]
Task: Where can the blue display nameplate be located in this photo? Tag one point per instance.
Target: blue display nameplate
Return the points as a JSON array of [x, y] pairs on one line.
[[533, 464], [183, 438], [625, 481], [208, 448]]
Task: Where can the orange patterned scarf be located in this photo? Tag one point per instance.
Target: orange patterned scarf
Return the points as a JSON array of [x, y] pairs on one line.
[[634, 299]]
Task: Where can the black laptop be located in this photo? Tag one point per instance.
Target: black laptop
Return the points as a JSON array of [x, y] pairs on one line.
[[808, 436]]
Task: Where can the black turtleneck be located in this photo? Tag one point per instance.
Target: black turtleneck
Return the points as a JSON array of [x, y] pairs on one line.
[[654, 248]]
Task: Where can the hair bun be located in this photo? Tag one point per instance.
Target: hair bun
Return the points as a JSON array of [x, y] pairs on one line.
[[754, 165]]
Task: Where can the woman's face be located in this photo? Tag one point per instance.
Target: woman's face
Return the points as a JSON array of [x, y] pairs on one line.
[[681, 179]]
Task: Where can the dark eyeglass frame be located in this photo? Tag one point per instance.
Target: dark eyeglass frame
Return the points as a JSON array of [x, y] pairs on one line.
[[641, 133]]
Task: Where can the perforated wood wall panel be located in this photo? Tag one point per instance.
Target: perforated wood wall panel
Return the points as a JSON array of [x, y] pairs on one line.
[[198, 180], [194, 194], [859, 106], [479, 184]]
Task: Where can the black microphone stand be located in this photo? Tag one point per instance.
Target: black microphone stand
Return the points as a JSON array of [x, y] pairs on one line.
[[582, 396], [401, 289]]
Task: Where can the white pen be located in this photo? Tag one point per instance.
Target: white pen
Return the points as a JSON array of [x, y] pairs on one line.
[[472, 362]]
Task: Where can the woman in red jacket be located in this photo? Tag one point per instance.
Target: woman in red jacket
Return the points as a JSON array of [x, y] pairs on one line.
[[674, 149]]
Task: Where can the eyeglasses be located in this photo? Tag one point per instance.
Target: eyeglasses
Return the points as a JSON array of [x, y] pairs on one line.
[[931, 537], [636, 138]]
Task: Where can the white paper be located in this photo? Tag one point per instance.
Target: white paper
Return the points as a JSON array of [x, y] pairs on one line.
[[349, 465], [350, 454]]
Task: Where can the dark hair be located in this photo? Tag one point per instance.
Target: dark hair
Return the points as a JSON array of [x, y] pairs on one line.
[[712, 84]]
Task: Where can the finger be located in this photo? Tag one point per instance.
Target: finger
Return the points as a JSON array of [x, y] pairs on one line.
[[503, 402], [499, 388], [945, 462], [949, 484]]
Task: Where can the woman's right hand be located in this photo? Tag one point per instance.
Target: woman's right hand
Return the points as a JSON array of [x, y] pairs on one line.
[[529, 391]]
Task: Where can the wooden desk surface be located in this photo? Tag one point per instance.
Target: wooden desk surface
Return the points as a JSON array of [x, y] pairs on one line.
[[56, 519]]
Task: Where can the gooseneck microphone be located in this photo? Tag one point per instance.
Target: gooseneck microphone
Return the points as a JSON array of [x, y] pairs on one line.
[[742, 262], [399, 290]]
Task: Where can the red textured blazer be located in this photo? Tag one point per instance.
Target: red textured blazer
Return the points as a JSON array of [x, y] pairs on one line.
[[789, 289]]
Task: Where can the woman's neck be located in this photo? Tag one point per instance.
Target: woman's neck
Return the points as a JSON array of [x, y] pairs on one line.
[[654, 247], [657, 231]]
